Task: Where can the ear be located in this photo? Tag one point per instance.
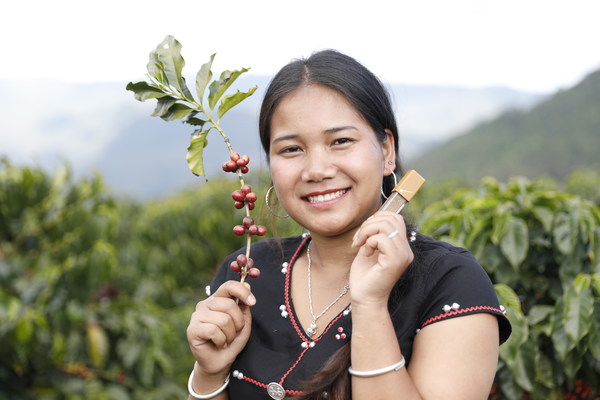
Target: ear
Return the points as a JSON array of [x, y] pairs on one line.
[[388, 147]]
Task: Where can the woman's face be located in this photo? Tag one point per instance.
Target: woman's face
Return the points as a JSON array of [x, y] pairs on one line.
[[326, 163]]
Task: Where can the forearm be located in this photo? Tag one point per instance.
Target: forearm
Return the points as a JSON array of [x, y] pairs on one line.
[[374, 346]]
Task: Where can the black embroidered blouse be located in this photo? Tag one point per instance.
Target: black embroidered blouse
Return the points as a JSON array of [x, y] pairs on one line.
[[447, 283]]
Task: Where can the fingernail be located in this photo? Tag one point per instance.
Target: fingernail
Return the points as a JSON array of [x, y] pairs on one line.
[[251, 300]]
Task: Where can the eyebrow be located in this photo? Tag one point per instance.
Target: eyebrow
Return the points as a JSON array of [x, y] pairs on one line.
[[326, 131]]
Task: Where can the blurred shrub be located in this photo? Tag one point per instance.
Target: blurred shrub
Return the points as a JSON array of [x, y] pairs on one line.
[[96, 292], [542, 248]]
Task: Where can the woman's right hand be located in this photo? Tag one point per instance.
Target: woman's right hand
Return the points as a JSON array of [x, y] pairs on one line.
[[219, 328]]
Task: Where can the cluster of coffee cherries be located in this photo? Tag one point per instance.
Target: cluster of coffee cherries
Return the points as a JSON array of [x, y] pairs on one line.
[[244, 262], [236, 162], [244, 197]]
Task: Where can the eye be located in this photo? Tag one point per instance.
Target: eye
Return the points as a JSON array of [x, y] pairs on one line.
[[342, 141], [290, 149]]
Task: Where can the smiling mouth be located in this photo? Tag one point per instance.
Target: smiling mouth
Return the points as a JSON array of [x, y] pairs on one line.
[[326, 197]]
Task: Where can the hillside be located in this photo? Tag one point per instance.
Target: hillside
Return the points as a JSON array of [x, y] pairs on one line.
[[554, 138], [101, 127]]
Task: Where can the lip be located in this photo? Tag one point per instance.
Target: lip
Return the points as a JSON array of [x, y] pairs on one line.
[[325, 203]]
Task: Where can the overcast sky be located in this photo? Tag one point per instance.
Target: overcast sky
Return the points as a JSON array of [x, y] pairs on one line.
[[533, 45]]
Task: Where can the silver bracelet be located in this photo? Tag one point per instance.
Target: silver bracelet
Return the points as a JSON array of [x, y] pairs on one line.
[[380, 371], [206, 396]]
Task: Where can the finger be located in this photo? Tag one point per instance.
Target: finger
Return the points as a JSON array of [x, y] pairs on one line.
[[385, 222], [235, 289], [201, 333], [221, 310], [225, 322]]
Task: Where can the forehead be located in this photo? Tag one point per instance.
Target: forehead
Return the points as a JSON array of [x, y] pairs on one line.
[[313, 106]]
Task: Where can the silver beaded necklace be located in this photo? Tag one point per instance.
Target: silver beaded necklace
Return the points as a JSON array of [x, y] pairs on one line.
[[312, 329]]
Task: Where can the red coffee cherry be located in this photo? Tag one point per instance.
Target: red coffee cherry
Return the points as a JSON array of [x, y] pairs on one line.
[[242, 260], [235, 267], [239, 230], [234, 156], [251, 197], [246, 188], [261, 230], [239, 205], [238, 195], [231, 165], [251, 206], [244, 170], [253, 272], [248, 221], [253, 229]]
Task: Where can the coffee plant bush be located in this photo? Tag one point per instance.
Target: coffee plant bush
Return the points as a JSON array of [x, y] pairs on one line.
[[542, 249], [70, 328], [96, 291]]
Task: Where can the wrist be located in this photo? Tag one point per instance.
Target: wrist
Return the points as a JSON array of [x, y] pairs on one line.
[[368, 306], [202, 382]]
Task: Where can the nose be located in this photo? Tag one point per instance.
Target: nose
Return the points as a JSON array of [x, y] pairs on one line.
[[319, 165]]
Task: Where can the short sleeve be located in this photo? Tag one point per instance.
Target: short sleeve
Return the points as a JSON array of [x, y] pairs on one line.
[[459, 287]]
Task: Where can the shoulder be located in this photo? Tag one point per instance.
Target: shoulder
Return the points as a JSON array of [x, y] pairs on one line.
[[451, 283]]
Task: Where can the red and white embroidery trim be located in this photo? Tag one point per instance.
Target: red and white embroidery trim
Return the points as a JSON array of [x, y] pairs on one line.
[[459, 312], [285, 310]]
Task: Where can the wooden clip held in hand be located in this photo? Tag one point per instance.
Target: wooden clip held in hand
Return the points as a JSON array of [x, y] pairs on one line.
[[404, 191]]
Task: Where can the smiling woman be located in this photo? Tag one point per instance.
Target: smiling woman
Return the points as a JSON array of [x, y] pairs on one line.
[[361, 306]]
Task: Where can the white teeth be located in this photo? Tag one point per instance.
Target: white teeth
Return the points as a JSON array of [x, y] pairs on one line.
[[326, 197]]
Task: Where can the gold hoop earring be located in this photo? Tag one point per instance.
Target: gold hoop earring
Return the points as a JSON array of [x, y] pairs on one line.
[[269, 206], [395, 184]]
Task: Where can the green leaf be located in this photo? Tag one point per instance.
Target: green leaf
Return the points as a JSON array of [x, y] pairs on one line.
[[509, 298], [156, 69], [192, 120], [565, 232], [596, 283], [594, 251], [167, 56], [594, 335], [539, 313], [177, 111], [218, 87], [204, 76], [144, 91], [98, 346], [233, 99], [195, 152], [515, 243], [545, 216], [500, 224], [578, 308], [162, 106], [543, 370]]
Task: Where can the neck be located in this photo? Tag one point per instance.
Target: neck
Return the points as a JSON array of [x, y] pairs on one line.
[[333, 254]]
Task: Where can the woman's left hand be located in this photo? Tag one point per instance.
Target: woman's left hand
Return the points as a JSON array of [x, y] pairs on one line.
[[383, 256]]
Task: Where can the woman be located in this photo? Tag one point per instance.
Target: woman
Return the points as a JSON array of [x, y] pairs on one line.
[[361, 307]]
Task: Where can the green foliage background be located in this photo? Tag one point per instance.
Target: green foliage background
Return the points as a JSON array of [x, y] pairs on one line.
[[96, 291]]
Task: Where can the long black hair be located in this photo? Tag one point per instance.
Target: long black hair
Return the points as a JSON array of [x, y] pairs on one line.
[[365, 92]]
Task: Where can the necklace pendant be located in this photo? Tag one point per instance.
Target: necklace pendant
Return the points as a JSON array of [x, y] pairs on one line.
[[275, 391], [312, 329]]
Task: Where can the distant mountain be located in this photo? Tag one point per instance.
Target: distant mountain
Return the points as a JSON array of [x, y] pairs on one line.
[[101, 127], [554, 138]]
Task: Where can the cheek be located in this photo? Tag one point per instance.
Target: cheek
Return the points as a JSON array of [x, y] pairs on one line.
[[280, 173]]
